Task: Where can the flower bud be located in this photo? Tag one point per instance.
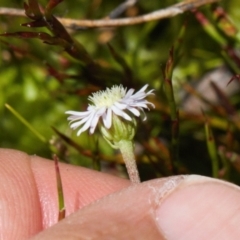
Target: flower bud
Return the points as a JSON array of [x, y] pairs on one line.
[[121, 129]]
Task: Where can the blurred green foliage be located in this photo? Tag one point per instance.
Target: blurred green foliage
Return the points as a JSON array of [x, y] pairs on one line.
[[42, 81]]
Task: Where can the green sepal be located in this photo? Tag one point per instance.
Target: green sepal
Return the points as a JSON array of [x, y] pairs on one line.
[[121, 129]]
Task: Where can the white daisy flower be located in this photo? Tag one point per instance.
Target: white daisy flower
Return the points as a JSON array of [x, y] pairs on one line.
[[116, 100]]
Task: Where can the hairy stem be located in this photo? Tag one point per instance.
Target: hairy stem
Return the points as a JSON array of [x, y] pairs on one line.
[[126, 148]]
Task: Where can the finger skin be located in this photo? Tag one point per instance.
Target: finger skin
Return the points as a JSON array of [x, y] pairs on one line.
[[106, 207], [28, 192], [18, 197], [179, 208]]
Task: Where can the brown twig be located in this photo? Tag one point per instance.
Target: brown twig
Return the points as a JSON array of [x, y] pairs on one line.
[[12, 12], [171, 11]]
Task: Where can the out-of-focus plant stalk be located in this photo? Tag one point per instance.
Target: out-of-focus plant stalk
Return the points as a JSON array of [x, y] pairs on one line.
[[225, 34], [173, 108], [210, 28], [26, 123], [223, 22], [212, 149], [96, 164], [223, 150], [225, 172]]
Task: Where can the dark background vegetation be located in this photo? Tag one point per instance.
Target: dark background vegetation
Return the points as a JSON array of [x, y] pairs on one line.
[[41, 81]]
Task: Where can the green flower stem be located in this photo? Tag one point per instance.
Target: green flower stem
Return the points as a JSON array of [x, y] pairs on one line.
[[126, 148]]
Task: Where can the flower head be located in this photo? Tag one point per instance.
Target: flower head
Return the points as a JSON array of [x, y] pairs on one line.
[[115, 101]]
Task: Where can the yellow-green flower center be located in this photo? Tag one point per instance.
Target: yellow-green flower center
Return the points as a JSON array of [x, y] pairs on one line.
[[108, 97]]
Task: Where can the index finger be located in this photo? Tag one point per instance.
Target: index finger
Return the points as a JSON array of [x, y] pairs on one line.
[[28, 192]]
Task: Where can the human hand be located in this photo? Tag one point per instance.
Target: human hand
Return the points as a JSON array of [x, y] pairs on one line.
[[107, 207]]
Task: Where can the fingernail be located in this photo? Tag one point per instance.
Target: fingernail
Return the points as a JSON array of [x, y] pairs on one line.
[[190, 208]]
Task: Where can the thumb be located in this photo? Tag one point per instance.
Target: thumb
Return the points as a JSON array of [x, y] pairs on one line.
[[182, 207]]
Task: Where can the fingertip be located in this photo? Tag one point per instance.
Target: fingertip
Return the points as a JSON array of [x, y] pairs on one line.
[[200, 208]]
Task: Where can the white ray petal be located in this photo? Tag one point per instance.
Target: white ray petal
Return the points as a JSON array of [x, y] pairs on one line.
[[120, 105], [145, 117], [129, 93], [121, 113], [151, 104], [141, 90], [139, 104], [107, 118], [94, 123], [134, 111], [95, 119], [74, 118], [91, 107], [143, 104], [150, 92], [75, 113], [141, 94], [138, 96], [74, 125], [86, 125]]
